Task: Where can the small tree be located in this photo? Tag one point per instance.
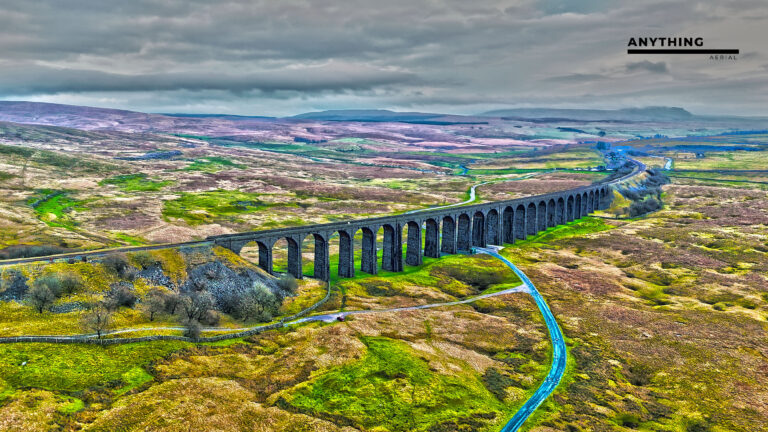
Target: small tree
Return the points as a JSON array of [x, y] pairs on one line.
[[51, 281], [154, 303], [192, 329], [258, 303], [40, 297], [98, 319], [195, 304], [120, 294], [172, 302]]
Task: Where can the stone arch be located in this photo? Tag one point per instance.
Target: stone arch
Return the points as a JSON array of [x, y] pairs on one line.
[[584, 204], [413, 255], [392, 248], [520, 231], [560, 211], [492, 234], [464, 233], [541, 216], [294, 257], [591, 202], [577, 206], [346, 266], [508, 225], [370, 250], [319, 266], [478, 229], [569, 208], [265, 255], [449, 235], [432, 238], [530, 219], [551, 212]]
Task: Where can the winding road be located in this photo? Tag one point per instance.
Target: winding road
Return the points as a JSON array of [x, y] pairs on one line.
[[473, 193], [559, 353]]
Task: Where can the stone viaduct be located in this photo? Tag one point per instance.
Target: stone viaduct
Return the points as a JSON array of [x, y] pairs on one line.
[[447, 230]]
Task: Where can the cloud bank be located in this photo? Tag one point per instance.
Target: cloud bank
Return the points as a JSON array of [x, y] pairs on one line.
[[290, 56]]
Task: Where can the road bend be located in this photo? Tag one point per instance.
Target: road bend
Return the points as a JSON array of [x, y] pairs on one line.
[[559, 354]]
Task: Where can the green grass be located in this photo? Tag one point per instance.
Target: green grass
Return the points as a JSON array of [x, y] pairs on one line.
[[579, 227], [5, 176], [53, 208], [131, 240], [212, 164], [135, 183], [74, 405], [77, 367], [394, 388], [206, 207]]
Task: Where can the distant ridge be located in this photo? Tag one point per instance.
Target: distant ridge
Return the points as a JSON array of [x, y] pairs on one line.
[[366, 115], [222, 116], [626, 114]]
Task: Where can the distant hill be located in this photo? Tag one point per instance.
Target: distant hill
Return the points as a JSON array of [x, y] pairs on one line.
[[217, 116], [366, 115], [79, 117], [389, 116], [626, 114]]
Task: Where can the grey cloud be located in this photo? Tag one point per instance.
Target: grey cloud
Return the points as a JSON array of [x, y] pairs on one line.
[[29, 79], [278, 56], [577, 78], [648, 66]]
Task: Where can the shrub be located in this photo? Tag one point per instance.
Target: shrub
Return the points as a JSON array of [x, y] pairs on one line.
[[116, 263], [69, 282], [647, 205], [59, 283], [192, 329], [120, 294], [288, 284], [210, 318], [628, 420], [13, 284], [258, 303], [40, 297]]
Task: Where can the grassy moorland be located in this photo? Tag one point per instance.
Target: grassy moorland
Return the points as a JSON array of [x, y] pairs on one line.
[[665, 315], [81, 189], [461, 367], [665, 318]]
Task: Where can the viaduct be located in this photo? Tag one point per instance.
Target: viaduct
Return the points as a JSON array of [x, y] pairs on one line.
[[445, 231]]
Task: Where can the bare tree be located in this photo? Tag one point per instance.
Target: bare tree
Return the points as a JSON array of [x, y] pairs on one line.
[[195, 304], [172, 302], [40, 297], [97, 319], [154, 303]]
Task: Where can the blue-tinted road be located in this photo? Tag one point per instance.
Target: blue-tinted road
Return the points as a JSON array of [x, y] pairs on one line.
[[558, 352]]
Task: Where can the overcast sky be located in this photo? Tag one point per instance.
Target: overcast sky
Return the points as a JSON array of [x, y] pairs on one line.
[[284, 57]]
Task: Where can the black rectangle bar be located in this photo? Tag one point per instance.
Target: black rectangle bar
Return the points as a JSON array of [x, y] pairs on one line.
[[682, 51]]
